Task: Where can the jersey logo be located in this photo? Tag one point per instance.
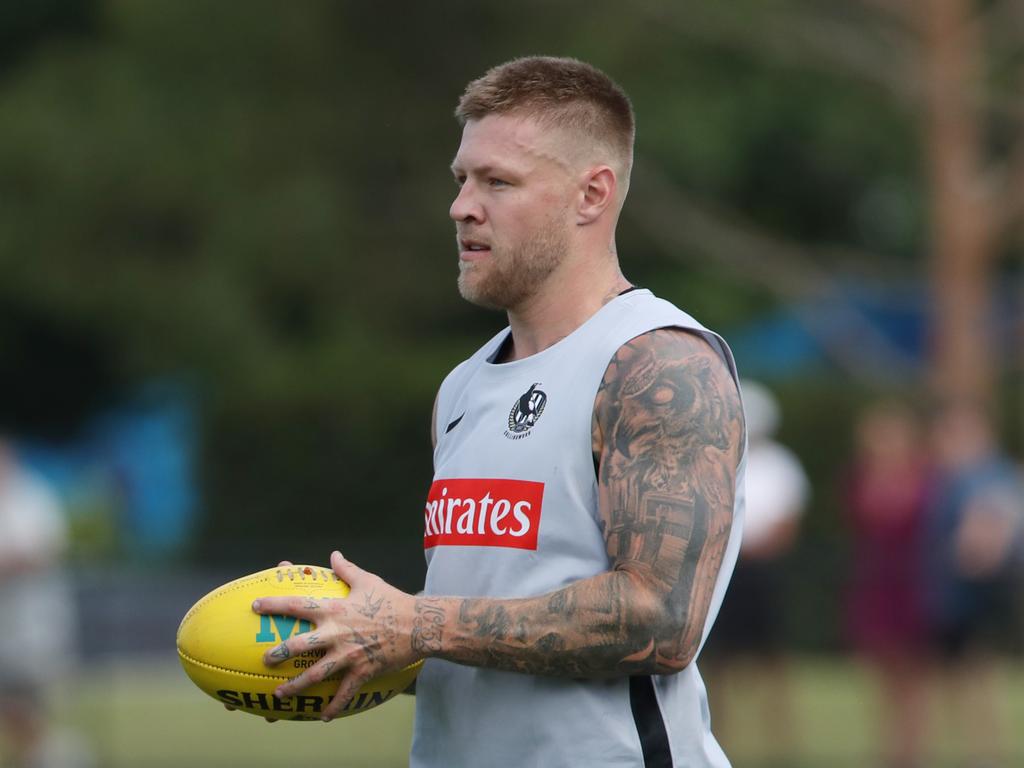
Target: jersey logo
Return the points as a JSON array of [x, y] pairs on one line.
[[483, 512], [454, 424], [525, 412]]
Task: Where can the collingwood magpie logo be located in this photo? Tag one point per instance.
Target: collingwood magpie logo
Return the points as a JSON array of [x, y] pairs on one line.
[[525, 413]]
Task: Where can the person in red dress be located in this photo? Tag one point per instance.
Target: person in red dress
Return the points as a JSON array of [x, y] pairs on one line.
[[886, 497]]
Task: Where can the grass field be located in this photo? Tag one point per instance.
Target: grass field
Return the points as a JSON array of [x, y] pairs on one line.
[[146, 714]]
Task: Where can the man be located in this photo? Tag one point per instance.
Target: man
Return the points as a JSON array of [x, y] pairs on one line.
[[585, 512], [974, 545]]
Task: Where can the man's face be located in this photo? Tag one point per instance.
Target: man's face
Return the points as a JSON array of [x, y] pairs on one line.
[[512, 213]]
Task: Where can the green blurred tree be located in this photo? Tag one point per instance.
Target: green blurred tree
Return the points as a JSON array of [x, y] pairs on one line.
[[258, 196]]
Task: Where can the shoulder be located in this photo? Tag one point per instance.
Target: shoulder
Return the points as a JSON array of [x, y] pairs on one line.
[[34, 493], [672, 378], [672, 342], [33, 508], [465, 369], [459, 376], [682, 357]]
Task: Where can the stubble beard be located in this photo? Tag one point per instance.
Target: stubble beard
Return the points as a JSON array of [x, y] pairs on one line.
[[511, 276]]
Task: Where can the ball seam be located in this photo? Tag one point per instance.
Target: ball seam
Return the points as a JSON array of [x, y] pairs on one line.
[[218, 668]]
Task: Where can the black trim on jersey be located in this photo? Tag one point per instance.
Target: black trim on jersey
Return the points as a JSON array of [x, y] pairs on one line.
[[502, 351], [650, 725]]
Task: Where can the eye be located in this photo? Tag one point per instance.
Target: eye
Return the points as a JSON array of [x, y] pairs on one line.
[[663, 395], [460, 179], [493, 182]]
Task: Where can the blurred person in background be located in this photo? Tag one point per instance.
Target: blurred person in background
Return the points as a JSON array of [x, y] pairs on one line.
[[38, 628], [885, 497], [750, 624], [975, 531]]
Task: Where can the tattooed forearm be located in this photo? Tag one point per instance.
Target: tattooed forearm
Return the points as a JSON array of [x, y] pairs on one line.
[[431, 616], [582, 630], [597, 627]]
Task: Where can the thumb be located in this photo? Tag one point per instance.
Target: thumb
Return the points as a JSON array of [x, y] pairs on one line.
[[348, 572]]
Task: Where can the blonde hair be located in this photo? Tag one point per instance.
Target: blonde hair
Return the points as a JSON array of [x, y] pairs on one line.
[[557, 92]]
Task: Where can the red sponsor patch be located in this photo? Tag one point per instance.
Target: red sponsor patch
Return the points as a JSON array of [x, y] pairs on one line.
[[483, 512]]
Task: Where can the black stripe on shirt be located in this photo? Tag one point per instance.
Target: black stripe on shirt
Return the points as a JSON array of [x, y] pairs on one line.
[[650, 725]]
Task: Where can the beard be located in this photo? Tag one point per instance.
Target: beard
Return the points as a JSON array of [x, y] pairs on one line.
[[512, 274]]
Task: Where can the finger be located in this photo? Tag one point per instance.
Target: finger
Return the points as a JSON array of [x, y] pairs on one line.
[[292, 605], [348, 572], [347, 690], [278, 653], [314, 674], [285, 564], [293, 646]]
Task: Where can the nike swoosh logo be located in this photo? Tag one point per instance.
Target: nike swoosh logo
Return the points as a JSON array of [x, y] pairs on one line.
[[454, 424]]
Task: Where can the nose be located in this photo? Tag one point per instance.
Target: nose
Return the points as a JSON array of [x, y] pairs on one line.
[[465, 207]]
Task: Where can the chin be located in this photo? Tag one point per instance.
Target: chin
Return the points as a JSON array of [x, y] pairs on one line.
[[479, 298], [483, 295]]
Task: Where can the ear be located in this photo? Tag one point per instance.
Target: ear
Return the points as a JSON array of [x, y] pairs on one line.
[[599, 187]]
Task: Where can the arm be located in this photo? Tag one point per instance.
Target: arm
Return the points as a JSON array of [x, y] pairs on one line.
[[984, 539], [668, 433]]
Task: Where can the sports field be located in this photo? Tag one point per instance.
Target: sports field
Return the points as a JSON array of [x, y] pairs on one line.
[[147, 713]]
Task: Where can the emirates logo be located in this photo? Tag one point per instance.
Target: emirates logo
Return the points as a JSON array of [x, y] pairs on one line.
[[483, 512]]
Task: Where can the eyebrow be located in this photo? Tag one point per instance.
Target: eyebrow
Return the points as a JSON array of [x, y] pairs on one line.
[[483, 170]]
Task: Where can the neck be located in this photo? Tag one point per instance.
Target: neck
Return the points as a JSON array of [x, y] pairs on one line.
[[566, 300]]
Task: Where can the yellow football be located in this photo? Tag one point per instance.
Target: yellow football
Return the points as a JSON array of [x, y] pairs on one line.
[[221, 643]]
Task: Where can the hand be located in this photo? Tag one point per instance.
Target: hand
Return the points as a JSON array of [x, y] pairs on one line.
[[228, 707], [362, 636], [983, 543]]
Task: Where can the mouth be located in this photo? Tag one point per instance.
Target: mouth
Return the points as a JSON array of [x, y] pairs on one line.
[[470, 249]]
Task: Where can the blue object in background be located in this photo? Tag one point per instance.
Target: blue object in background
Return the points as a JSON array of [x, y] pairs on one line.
[[150, 444], [878, 335], [139, 459]]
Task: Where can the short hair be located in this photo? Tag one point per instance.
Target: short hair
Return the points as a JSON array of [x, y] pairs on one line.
[[560, 92]]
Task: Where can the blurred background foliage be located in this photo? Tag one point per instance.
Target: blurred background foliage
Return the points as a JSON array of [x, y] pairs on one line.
[[251, 200]]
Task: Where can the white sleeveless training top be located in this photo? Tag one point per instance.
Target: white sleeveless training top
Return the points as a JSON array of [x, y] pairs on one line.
[[512, 512]]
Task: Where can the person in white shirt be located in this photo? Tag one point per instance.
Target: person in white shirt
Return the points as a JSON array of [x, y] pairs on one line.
[[37, 641], [746, 651]]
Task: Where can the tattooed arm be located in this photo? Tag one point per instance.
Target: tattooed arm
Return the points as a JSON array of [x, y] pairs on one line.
[[667, 433]]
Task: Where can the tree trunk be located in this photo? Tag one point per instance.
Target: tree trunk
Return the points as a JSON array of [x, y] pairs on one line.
[[962, 242]]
